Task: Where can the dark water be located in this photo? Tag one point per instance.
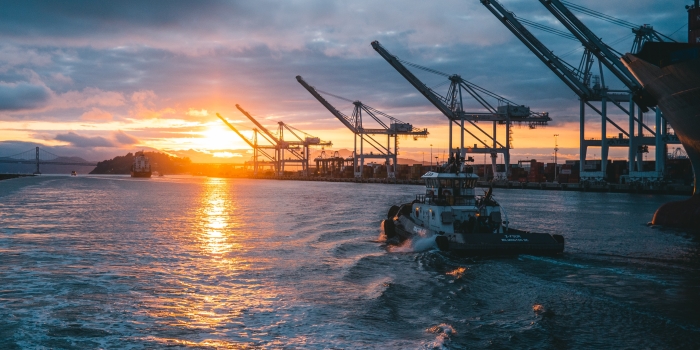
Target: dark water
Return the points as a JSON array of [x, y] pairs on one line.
[[111, 262]]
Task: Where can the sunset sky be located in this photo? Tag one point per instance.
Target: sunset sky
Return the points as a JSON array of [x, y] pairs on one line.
[[97, 79]]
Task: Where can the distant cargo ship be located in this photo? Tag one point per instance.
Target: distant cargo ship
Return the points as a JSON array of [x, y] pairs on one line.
[[141, 166]]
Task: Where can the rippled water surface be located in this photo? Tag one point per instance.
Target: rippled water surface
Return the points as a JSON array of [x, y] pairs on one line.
[[115, 262]]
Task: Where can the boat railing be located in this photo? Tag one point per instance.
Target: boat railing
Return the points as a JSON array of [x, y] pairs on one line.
[[421, 198]]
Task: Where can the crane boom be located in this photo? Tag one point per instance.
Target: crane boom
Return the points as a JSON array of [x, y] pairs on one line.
[[564, 71], [575, 79], [264, 129], [235, 130], [593, 43], [426, 91], [342, 117]]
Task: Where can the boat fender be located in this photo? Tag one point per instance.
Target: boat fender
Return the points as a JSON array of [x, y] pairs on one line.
[[392, 211], [443, 243], [559, 238], [389, 228]]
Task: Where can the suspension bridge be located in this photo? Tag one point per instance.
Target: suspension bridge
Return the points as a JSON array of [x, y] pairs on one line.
[[38, 156]]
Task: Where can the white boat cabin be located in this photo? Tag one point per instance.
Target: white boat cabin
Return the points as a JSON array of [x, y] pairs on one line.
[[450, 205]]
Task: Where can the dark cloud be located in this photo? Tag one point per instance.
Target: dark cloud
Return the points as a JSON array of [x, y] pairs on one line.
[[20, 96], [84, 141], [88, 18]]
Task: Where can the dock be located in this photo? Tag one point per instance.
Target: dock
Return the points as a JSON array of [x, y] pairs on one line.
[[648, 188]]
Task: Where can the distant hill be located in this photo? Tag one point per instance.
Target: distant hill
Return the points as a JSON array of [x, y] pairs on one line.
[[160, 162]]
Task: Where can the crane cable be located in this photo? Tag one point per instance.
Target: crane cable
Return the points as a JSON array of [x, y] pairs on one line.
[[547, 29], [608, 18], [600, 15], [463, 81], [366, 106]]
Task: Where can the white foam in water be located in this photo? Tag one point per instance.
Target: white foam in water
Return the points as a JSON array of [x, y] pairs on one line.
[[443, 331], [416, 244]]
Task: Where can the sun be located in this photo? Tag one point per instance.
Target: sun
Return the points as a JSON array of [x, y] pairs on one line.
[[219, 137]]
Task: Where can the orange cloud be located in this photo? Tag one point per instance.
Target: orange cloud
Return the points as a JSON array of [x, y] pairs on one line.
[[195, 113], [145, 107], [96, 114]]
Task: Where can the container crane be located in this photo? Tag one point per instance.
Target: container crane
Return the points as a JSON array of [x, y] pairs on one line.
[[299, 148], [612, 60], [579, 81], [305, 142], [258, 150], [451, 105], [395, 128]]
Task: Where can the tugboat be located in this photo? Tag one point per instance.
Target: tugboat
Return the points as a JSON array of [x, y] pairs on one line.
[[141, 166], [462, 222]]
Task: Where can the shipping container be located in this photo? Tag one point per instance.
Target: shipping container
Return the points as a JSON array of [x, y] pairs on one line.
[[694, 18]]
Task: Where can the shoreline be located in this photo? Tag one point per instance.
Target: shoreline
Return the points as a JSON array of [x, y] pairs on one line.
[[648, 188], [13, 176], [641, 188]]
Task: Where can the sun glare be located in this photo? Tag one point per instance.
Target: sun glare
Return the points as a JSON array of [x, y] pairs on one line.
[[217, 137]]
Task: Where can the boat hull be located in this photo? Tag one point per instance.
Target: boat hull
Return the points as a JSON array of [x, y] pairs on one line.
[[512, 242], [140, 174], [676, 89]]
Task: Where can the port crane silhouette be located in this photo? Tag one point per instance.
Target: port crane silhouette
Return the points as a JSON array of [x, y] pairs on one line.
[[590, 88], [499, 111], [394, 129], [278, 149], [258, 149]]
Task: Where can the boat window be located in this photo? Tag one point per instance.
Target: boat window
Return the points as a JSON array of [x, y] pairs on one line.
[[445, 182], [464, 201], [469, 183]]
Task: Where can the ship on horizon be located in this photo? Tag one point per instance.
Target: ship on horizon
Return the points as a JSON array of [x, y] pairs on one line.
[[141, 166]]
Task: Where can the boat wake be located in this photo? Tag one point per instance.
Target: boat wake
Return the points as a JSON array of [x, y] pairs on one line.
[[415, 245]]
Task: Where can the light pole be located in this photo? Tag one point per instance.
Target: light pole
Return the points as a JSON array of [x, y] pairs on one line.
[[431, 157], [556, 149]]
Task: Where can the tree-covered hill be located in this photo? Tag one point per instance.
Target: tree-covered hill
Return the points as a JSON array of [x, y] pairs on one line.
[[160, 162]]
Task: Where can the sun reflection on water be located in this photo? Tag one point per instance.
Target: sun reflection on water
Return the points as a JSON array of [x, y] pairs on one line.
[[211, 292], [216, 205]]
